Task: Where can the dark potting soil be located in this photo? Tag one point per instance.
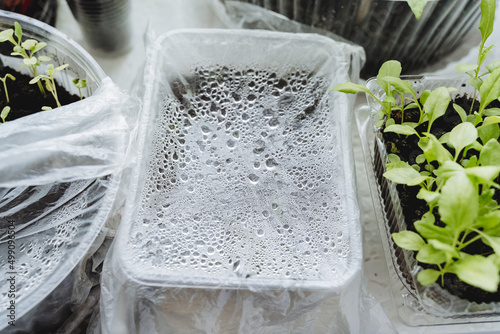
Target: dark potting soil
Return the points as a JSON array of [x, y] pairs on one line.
[[26, 99], [413, 208]]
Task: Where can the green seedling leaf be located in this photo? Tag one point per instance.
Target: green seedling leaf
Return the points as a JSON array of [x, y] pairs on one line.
[[465, 67], [428, 276], [461, 112], [462, 135], [30, 61], [45, 108], [5, 112], [420, 159], [483, 174], [491, 120], [489, 90], [429, 254], [401, 129], [18, 31], [491, 112], [403, 173], [459, 211], [478, 271], [417, 7], [29, 44], [44, 58], [487, 18], [39, 46], [408, 240], [436, 104], [445, 247], [6, 35], [488, 132], [493, 66], [428, 230], [489, 223], [391, 68], [351, 88], [476, 82], [490, 154], [430, 197], [401, 85], [493, 242], [448, 169], [434, 150], [61, 67], [425, 94]]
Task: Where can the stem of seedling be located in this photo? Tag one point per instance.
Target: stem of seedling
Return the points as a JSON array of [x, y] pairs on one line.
[[4, 80]]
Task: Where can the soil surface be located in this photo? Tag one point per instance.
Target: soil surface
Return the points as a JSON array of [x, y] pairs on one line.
[[26, 99], [413, 209]]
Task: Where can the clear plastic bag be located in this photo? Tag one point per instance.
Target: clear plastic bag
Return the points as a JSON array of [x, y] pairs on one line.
[[241, 215], [60, 171]]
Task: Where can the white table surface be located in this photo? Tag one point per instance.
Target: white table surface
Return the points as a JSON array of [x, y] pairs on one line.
[[166, 15]]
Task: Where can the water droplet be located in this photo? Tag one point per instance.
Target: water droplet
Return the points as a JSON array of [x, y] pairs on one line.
[[205, 129], [253, 178], [265, 214], [260, 232], [274, 206], [245, 117], [271, 163], [231, 144]]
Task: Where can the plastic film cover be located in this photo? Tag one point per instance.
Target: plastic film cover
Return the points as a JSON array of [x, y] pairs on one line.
[[241, 215]]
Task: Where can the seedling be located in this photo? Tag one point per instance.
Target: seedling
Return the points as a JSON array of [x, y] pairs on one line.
[[4, 81], [5, 112], [80, 84], [460, 186], [49, 80], [26, 49]]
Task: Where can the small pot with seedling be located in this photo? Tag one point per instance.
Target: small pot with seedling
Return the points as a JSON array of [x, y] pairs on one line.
[[41, 68], [435, 156]]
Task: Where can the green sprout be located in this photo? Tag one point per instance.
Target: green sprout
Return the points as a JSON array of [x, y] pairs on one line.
[[49, 80], [5, 112], [26, 49], [4, 80], [80, 84]]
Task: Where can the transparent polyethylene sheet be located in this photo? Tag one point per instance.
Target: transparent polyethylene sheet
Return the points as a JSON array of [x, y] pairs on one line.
[[241, 213], [416, 305], [59, 176]]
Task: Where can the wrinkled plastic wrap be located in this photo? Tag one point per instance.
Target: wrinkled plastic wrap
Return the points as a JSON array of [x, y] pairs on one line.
[[59, 175], [241, 215]]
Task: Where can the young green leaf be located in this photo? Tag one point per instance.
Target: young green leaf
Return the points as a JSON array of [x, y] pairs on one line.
[[5, 112], [401, 129], [18, 31], [6, 35], [462, 135], [459, 211], [417, 7], [488, 132], [401, 85], [487, 18], [391, 68], [428, 276], [436, 104], [483, 174], [493, 66], [490, 154], [404, 174], [351, 88], [408, 240], [465, 67], [428, 230], [491, 112], [461, 112], [429, 254], [478, 271], [489, 90], [433, 149]]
